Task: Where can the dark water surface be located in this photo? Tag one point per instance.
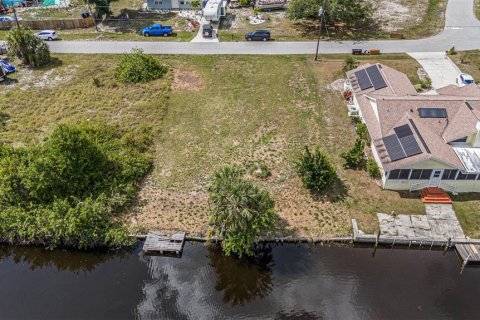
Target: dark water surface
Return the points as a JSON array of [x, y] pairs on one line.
[[285, 282]]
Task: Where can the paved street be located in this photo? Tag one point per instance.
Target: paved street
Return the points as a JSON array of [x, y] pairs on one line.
[[461, 29]]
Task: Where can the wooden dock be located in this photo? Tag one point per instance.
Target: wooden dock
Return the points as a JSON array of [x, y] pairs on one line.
[[468, 253], [162, 241]]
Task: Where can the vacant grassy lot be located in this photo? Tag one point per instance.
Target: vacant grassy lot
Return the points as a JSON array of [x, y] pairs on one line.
[[211, 111]]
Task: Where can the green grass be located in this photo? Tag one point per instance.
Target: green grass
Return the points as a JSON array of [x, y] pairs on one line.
[[477, 9], [467, 209], [210, 111], [432, 23]]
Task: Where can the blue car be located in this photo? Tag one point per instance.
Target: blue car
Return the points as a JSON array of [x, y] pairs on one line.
[[9, 68], [157, 30]]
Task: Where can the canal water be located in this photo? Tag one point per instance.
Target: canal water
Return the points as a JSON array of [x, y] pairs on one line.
[[282, 282]]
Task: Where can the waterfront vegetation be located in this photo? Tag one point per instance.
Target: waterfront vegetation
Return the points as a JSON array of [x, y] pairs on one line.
[[65, 190], [240, 211], [208, 111]]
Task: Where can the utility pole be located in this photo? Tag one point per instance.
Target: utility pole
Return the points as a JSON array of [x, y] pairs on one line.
[[321, 11], [15, 14]]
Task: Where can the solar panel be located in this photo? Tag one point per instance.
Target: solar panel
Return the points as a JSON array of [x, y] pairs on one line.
[[394, 149], [432, 112], [376, 77], [363, 80], [410, 145], [403, 131]]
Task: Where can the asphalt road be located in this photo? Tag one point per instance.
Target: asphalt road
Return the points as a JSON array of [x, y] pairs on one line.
[[462, 29]]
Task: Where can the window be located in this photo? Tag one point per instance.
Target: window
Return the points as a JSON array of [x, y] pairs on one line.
[[182, 2], [426, 173], [399, 174], [415, 174], [449, 174], [394, 174], [404, 173], [466, 176], [158, 3]]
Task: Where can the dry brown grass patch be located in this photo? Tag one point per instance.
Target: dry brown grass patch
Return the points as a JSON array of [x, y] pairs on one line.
[[184, 79]]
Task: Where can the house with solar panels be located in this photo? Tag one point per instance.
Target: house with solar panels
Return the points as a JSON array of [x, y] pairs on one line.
[[418, 140]]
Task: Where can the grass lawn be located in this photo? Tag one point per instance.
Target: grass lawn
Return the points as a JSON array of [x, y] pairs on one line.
[[468, 62], [467, 209], [210, 111], [477, 9]]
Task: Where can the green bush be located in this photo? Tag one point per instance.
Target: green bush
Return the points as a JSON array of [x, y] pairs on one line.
[[29, 48], [4, 117], [349, 63], [355, 157], [426, 83], [362, 132], [137, 67], [239, 210], [315, 170], [66, 190], [373, 169]]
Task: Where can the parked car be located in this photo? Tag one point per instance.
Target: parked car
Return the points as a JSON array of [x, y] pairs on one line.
[[157, 30], [6, 66], [48, 35], [207, 31], [261, 35], [9, 18], [463, 79]]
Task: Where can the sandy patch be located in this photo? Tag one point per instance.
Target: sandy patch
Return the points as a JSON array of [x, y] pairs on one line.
[[187, 80]]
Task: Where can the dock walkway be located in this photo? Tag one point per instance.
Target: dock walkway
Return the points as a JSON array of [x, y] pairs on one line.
[[468, 253], [163, 241]]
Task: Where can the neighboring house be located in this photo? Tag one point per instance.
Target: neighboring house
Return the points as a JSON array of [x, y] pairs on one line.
[[169, 4], [419, 140]]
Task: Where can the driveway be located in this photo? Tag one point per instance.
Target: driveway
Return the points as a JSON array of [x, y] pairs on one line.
[[438, 66]]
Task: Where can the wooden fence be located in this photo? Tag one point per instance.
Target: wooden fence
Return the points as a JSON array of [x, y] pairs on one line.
[[50, 24]]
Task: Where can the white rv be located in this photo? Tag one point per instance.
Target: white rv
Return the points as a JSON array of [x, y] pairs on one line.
[[215, 10]]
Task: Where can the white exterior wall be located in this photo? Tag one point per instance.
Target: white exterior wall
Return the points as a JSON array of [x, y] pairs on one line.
[[379, 163], [459, 185]]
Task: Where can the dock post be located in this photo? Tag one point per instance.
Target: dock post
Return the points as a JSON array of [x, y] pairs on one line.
[[447, 245], [421, 243], [393, 243], [431, 246], [377, 238], [465, 263], [410, 244]]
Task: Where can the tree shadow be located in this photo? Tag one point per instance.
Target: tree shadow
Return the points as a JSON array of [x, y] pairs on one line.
[[72, 260], [245, 279], [336, 193], [407, 194], [227, 22], [466, 197]]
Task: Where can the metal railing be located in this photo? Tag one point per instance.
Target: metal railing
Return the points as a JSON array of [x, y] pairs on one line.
[[419, 186], [448, 187]]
